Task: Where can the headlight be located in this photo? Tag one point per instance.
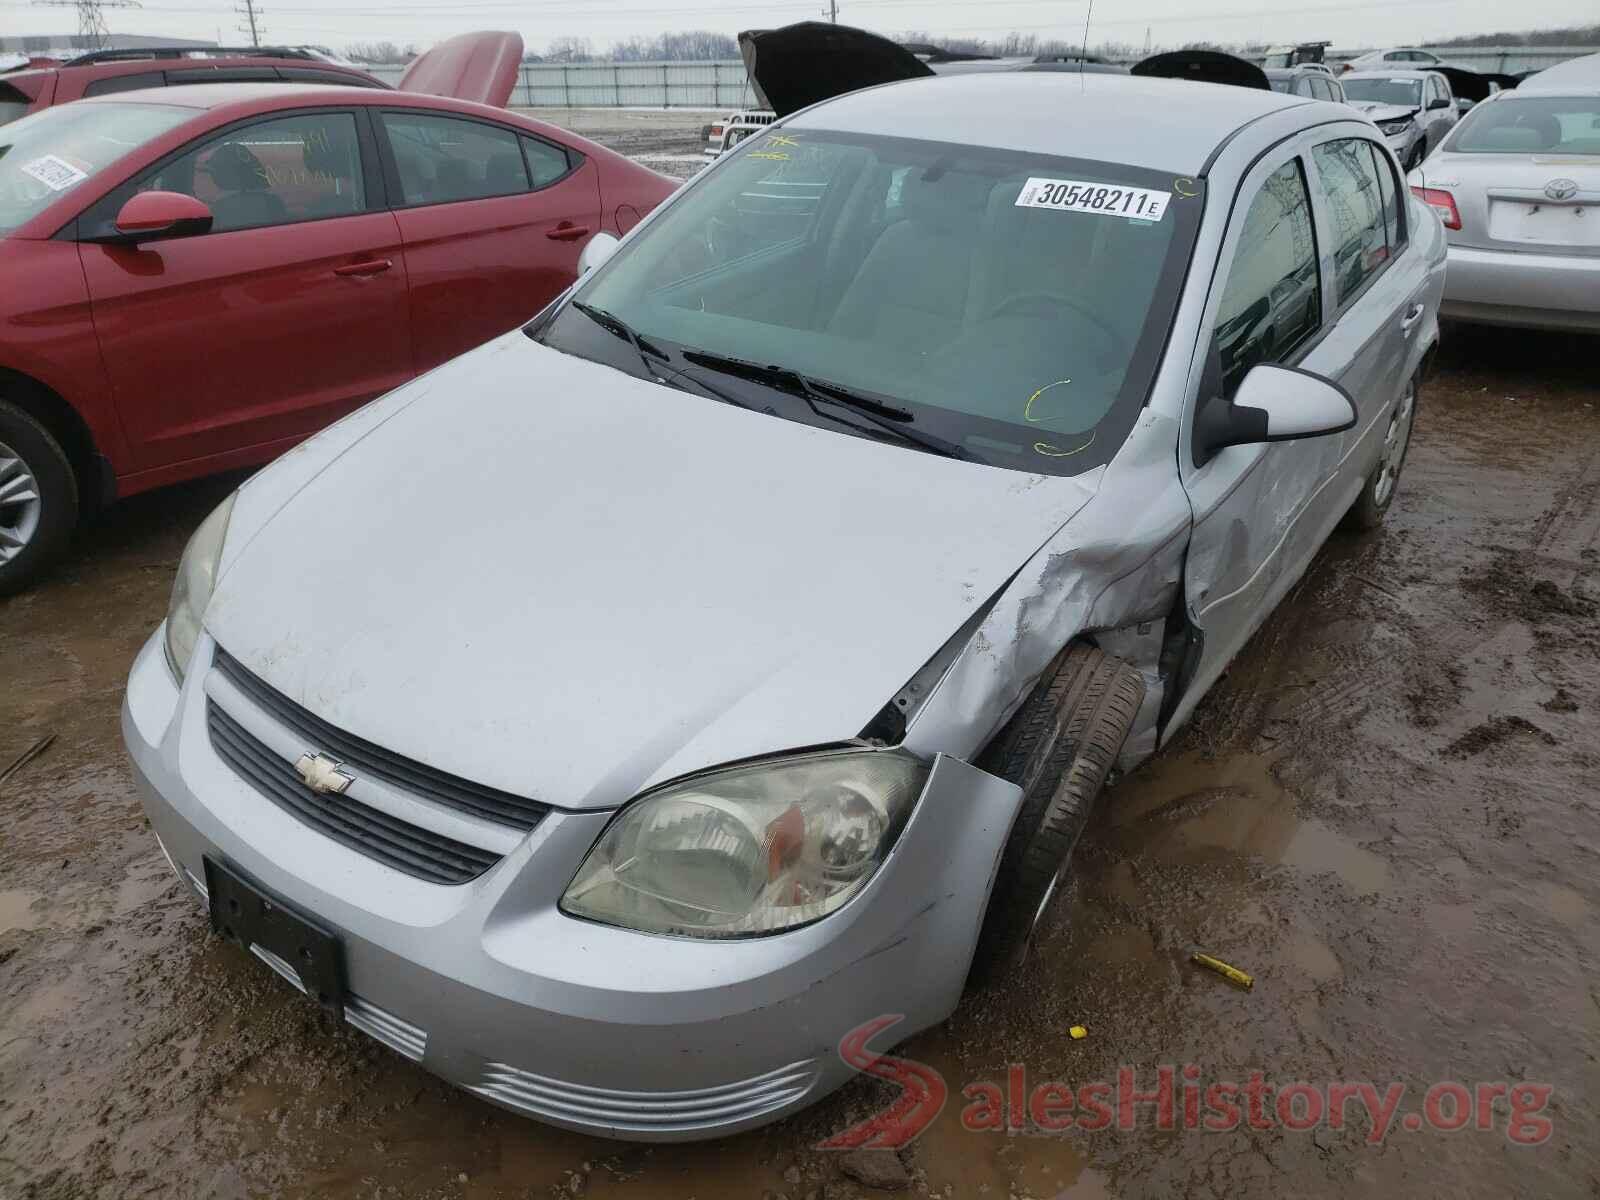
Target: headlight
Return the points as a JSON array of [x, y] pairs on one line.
[[191, 591], [750, 850], [1395, 127]]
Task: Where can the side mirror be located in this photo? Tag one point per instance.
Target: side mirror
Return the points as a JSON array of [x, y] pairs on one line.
[[1438, 102], [152, 216], [599, 248], [1273, 404]]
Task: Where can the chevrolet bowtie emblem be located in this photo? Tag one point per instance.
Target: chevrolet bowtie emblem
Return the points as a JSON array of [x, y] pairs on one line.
[[322, 774]]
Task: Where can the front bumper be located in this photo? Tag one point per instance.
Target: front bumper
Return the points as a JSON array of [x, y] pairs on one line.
[[1523, 289], [593, 1028]]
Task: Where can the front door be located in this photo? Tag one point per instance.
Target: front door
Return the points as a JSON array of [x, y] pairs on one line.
[[291, 312]]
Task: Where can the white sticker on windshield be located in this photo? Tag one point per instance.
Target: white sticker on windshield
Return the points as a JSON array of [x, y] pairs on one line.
[[57, 174], [1402, 81], [1076, 195]]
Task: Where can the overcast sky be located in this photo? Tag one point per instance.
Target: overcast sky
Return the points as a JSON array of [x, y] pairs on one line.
[[1358, 23]]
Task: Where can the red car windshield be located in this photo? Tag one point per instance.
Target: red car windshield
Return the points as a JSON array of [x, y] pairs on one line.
[[50, 153]]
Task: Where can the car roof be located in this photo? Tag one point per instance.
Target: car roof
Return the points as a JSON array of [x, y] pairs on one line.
[[1164, 124], [248, 96]]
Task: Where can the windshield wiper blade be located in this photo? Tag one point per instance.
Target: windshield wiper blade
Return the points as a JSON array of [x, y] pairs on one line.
[[616, 326], [887, 417]]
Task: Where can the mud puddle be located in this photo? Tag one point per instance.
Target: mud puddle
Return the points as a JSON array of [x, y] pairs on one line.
[[1386, 812]]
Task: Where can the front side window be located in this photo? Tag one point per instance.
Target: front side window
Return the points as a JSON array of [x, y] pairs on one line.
[[1531, 125], [445, 159], [124, 83], [1405, 93], [1272, 301], [1013, 305], [46, 155], [300, 168], [1348, 180]]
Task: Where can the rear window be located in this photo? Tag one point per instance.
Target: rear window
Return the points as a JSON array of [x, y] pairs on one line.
[[1542, 125], [46, 155]]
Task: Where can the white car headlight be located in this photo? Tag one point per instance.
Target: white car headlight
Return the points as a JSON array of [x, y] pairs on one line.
[[749, 850], [1394, 128], [191, 591]]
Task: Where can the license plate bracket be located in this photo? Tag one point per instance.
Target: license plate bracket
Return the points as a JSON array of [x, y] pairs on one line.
[[244, 912]]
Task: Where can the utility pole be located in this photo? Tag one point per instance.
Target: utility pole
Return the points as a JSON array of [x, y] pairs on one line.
[[92, 29], [833, 11], [251, 23]]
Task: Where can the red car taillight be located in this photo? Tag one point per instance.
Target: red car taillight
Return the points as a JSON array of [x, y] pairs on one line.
[[1442, 203], [716, 131]]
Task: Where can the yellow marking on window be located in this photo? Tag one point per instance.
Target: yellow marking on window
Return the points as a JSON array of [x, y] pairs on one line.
[[778, 139], [768, 154], [1027, 409], [1050, 451], [1185, 186]]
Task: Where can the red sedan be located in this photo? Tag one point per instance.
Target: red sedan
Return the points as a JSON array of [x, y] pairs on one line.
[[197, 278]]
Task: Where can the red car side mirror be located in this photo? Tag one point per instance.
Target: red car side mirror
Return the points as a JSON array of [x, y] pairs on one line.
[[151, 216]]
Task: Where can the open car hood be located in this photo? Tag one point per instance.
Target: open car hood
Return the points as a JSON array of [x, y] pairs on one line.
[[1467, 85], [481, 67], [1204, 66], [802, 64]]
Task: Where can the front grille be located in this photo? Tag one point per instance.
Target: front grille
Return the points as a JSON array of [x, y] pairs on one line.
[[366, 759], [399, 844]]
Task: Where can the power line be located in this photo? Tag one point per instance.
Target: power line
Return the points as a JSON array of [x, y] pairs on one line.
[[251, 24], [91, 17]]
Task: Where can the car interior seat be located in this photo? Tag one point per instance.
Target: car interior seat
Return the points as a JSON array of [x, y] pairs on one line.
[[911, 292], [247, 199]]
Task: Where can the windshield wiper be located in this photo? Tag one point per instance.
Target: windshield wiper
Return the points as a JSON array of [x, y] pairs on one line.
[[616, 326], [887, 417]]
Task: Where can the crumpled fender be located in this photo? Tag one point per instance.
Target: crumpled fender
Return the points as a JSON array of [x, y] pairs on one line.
[[1117, 563]]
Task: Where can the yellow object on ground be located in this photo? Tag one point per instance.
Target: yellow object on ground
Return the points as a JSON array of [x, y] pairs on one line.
[[1078, 1031], [1231, 974]]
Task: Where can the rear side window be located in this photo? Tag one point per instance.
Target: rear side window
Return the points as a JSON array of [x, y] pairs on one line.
[[299, 168], [1351, 193], [332, 78], [547, 163], [444, 159], [1394, 217], [124, 83], [1535, 125], [13, 103], [1272, 302]]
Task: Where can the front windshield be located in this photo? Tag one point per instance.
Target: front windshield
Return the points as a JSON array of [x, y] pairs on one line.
[[50, 153], [1542, 125], [1013, 305], [1406, 93]]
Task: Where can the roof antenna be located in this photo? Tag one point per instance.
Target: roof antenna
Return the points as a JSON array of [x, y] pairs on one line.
[[1083, 55]]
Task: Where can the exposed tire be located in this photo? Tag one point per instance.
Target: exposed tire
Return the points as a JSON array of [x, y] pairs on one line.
[[1379, 490], [38, 499], [1058, 748]]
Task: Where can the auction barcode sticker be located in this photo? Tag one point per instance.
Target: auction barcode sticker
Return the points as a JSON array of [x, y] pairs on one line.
[[57, 174], [1076, 195]]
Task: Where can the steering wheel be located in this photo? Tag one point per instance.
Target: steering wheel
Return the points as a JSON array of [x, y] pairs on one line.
[[1114, 339]]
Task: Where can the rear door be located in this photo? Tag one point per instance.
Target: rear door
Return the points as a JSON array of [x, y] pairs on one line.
[[289, 313], [493, 219]]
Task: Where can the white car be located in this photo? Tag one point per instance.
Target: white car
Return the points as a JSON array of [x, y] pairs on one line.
[[1413, 109], [1517, 186]]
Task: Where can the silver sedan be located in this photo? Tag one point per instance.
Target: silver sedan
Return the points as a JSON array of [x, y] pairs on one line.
[[1517, 188], [617, 717]]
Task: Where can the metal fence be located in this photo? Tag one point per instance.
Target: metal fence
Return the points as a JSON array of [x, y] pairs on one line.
[[721, 85], [716, 85]]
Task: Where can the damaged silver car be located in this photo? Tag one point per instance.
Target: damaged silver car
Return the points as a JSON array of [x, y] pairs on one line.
[[614, 718]]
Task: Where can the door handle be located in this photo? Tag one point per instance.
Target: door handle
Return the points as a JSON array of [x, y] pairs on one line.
[[566, 233], [1409, 321], [374, 266]]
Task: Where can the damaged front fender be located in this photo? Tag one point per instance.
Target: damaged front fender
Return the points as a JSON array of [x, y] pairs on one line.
[[1114, 569]]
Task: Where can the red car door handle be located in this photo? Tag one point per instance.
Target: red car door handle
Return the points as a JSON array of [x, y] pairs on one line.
[[374, 266], [566, 233]]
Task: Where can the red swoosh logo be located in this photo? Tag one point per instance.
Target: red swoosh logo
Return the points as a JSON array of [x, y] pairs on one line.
[[922, 1093]]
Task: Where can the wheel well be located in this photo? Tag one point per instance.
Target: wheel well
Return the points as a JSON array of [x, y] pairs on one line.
[[67, 426]]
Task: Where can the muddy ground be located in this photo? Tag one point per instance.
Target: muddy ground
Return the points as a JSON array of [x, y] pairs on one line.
[[1387, 812]]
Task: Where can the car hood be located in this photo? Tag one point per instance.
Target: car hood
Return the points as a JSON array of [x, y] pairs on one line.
[[808, 62], [480, 67], [1376, 112], [553, 578], [1204, 66]]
